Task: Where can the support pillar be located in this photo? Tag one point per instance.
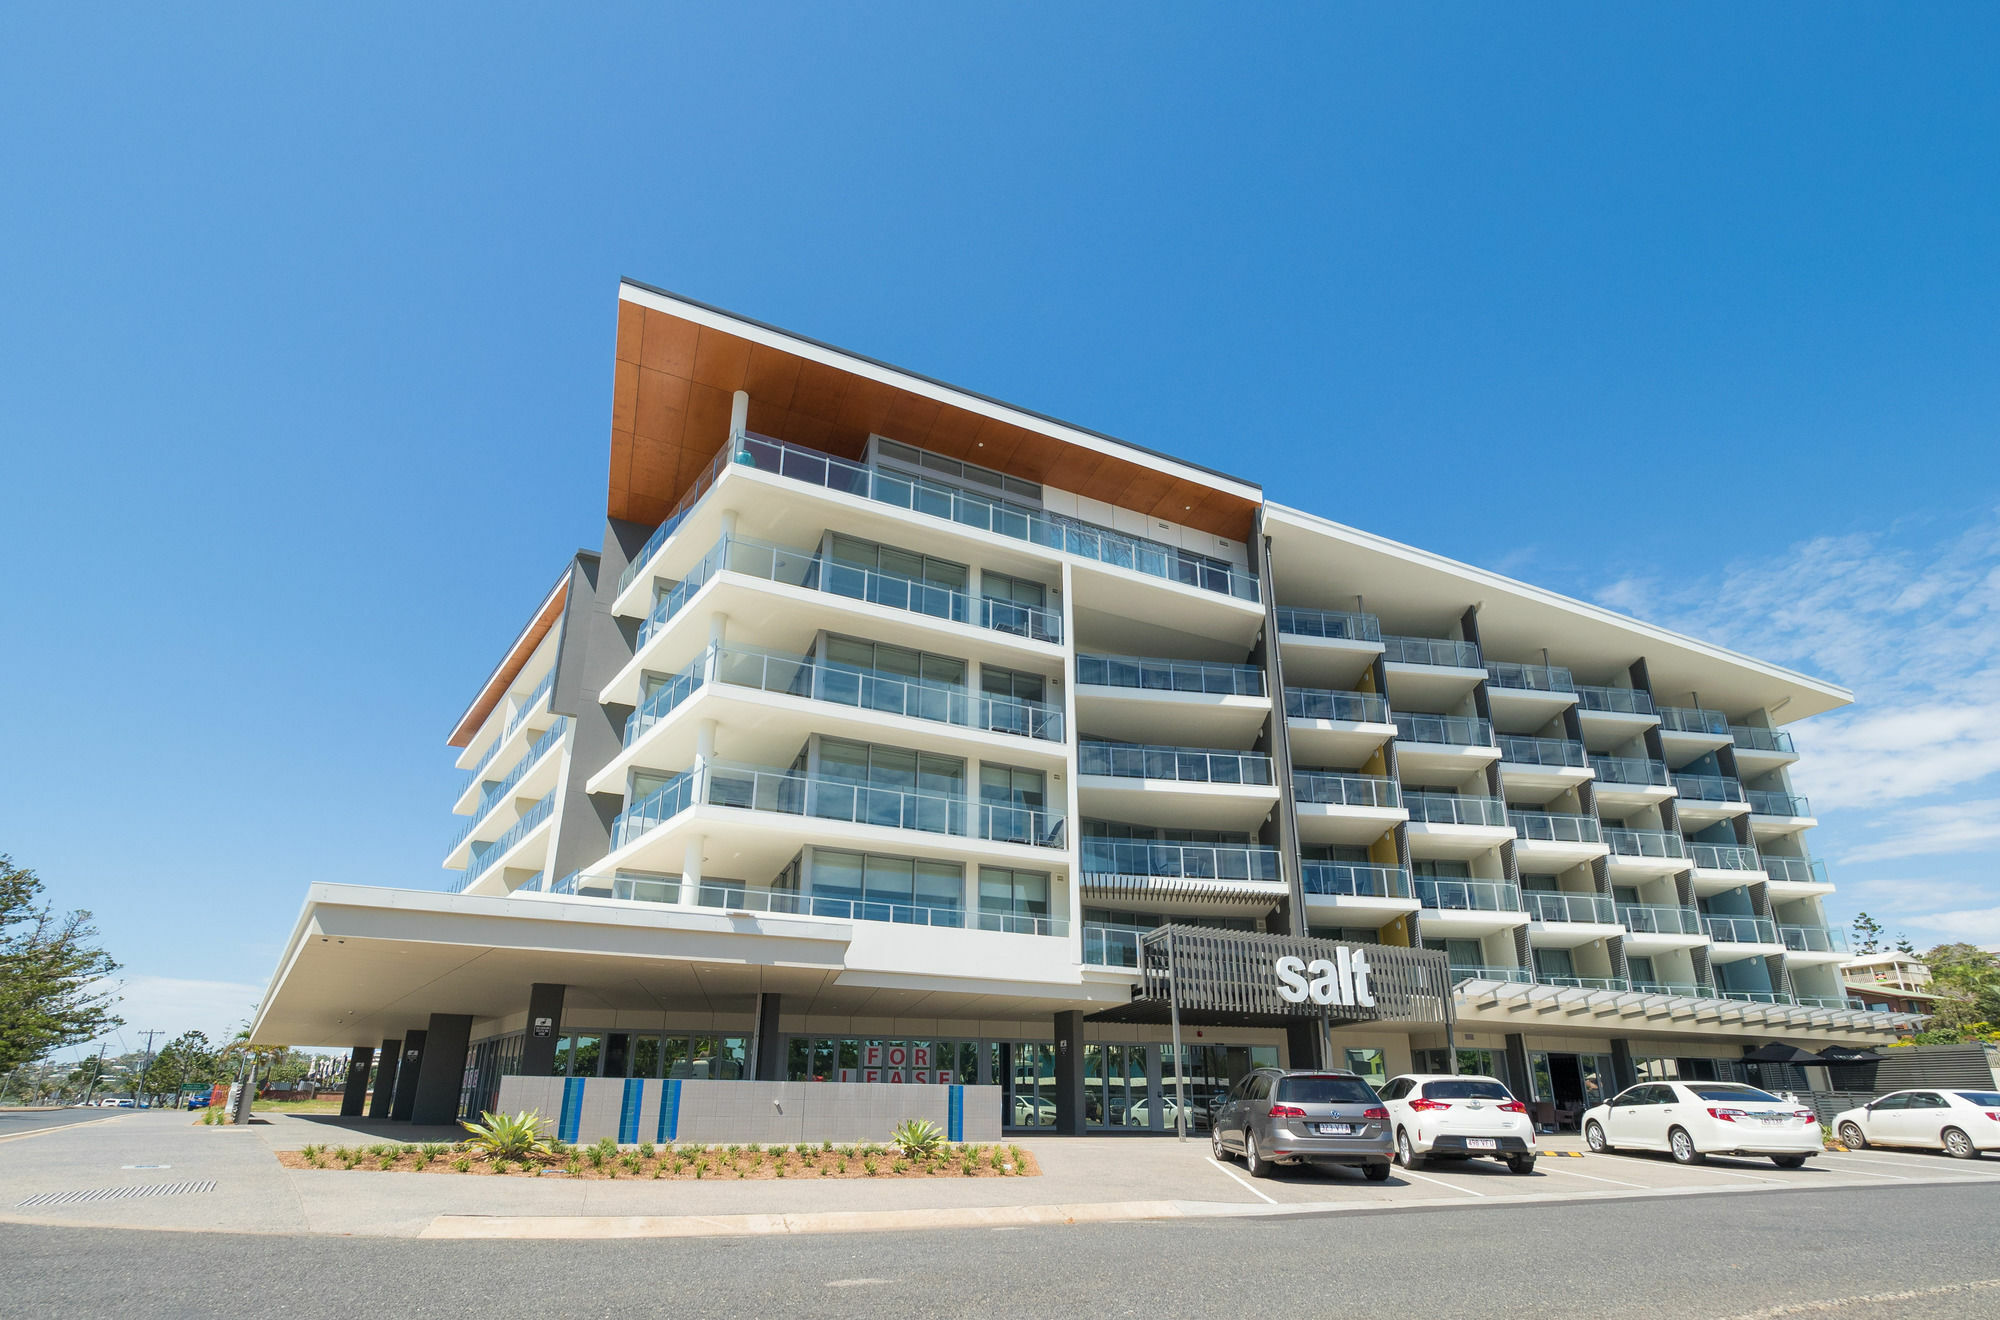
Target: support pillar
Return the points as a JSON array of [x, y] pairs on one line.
[[1302, 1042], [1518, 1079], [1624, 1072], [545, 1029], [406, 1076], [356, 1095], [1069, 1073], [739, 413], [385, 1078], [768, 1065], [441, 1072]]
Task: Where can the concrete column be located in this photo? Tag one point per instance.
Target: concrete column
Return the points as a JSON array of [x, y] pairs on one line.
[[739, 413], [1302, 1042], [545, 1029], [385, 1078], [1518, 1077], [718, 630], [704, 740], [1069, 1073], [441, 1074], [355, 1096], [691, 867], [768, 1065], [406, 1076]]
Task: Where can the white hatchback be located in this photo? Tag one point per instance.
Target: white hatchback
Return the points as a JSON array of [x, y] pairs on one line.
[[1442, 1117], [1693, 1120], [1959, 1123]]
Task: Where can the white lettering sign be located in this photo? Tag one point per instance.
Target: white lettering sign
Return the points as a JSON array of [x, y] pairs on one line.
[[1342, 979]]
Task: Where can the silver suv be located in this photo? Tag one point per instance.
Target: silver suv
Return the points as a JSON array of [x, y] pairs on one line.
[[1277, 1117]]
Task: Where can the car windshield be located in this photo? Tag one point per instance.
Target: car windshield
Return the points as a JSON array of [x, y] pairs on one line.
[[1464, 1090], [1981, 1097], [1708, 1091], [1325, 1091]]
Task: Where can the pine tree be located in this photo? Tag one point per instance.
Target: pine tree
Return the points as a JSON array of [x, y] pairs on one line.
[[51, 973]]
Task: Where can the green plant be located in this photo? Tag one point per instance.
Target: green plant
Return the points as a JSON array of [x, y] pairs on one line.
[[423, 1157], [631, 1159], [754, 1148], [658, 1170], [434, 1150], [500, 1136], [574, 1165], [826, 1145], [463, 1164], [350, 1158], [868, 1165], [901, 1166], [917, 1137], [309, 1150], [645, 1150]]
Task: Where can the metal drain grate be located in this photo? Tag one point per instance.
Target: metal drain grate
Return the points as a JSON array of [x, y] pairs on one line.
[[118, 1193]]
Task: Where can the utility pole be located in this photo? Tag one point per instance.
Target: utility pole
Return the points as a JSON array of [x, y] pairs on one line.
[[139, 1096], [95, 1073]]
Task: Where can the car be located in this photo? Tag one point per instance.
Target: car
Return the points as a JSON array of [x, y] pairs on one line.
[[117, 1104], [197, 1100], [1693, 1120], [1436, 1116], [1276, 1116], [1034, 1111], [1141, 1112], [1959, 1123]]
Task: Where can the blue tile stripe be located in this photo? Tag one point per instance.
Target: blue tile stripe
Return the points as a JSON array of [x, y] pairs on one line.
[[670, 1110], [572, 1109], [628, 1111], [954, 1126]]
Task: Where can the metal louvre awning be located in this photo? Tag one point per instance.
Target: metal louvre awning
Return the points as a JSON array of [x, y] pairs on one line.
[[1249, 894], [1638, 1005]]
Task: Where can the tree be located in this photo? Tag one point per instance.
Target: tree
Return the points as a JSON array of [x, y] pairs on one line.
[[51, 973], [1867, 934], [1903, 945], [188, 1060], [1966, 980]]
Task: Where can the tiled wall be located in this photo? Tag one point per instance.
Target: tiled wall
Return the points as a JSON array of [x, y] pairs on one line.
[[586, 1109]]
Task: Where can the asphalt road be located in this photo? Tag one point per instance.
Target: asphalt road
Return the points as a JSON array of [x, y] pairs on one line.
[[16, 1121], [1672, 1258]]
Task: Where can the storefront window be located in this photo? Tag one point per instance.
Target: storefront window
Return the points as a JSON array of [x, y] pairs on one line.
[[583, 1056], [1369, 1065]]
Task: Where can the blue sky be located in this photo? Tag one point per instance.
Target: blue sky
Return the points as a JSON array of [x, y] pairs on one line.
[[306, 322]]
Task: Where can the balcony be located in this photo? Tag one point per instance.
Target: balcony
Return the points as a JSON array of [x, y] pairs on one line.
[[1797, 871], [1187, 765], [1660, 919], [1346, 707], [1615, 701], [1328, 625], [1684, 989], [1328, 648], [882, 693], [1014, 521], [1723, 857], [506, 790], [1630, 780], [1814, 939], [1549, 752], [1822, 1001], [1181, 874], [1189, 787], [1463, 972], [1786, 805], [1106, 945], [1657, 852], [1552, 679], [1439, 895], [1759, 751], [1131, 699], [1586, 982], [1454, 809], [1356, 893], [485, 860], [1345, 809], [1741, 930], [1694, 720], [734, 898], [1755, 996], [642, 561], [1325, 788], [1550, 840], [529, 705], [1184, 676], [1704, 799], [1575, 909], [1436, 652], [1336, 727]]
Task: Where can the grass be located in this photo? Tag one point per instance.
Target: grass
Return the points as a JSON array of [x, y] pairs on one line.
[[606, 1159]]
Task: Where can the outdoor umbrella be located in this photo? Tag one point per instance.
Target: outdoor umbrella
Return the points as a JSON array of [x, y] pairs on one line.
[[1848, 1054], [1777, 1053]]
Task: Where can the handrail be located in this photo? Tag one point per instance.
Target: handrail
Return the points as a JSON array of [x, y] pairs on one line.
[[1461, 972], [1108, 945], [1614, 700], [521, 712], [1185, 764], [1685, 989], [884, 692], [671, 524], [1468, 895], [1529, 678], [1355, 880], [1331, 704], [1326, 788], [1796, 870], [1455, 809], [1452, 730], [1444, 652], [1171, 861], [1586, 982], [1329, 625], [1555, 827], [1542, 751], [1813, 939], [1127, 671], [494, 796]]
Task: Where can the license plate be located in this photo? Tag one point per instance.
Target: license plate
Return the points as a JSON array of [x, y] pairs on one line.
[[1335, 1129], [1481, 1143]]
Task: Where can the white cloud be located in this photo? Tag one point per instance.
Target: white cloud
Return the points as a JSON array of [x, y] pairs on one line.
[[1970, 925], [1951, 827], [173, 1005]]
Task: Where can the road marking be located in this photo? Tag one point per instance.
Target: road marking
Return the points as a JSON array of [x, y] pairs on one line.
[[1616, 1182], [1872, 1299], [1937, 1167], [1267, 1200], [856, 1283], [1405, 1173], [58, 1127], [1727, 1173]]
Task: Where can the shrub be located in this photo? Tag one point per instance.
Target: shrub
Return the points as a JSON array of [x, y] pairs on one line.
[[503, 1137], [434, 1150], [998, 1160], [463, 1164], [754, 1148], [631, 1160], [917, 1137], [901, 1166], [868, 1165], [309, 1150], [575, 1165], [423, 1157], [645, 1150]]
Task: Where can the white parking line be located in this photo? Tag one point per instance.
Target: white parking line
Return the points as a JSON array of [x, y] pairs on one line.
[[1615, 1182], [1267, 1200], [1937, 1166], [1405, 1173], [1728, 1173]]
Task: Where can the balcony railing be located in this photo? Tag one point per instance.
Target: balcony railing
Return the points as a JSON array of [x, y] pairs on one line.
[[1462, 972], [1331, 625], [1455, 809], [787, 902], [1188, 765], [1529, 678], [1468, 895], [1015, 521], [1778, 804], [1326, 788], [1441, 651], [1796, 870], [1659, 919], [1821, 1001], [1754, 739], [531, 819], [1723, 857], [1124, 671], [1178, 861], [1634, 770], [521, 712], [1813, 939], [1451, 730], [663, 700], [1111, 946], [1558, 752], [1544, 905], [887, 693], [1742, 930], [1585, 982], [1356, 880], [1645, 843], [1707, 788], [498, 793], [793, 793], [1555, 827], [1692, 719], [1325, 704], [1615, 700], [1755, 996], [690, 498], [1686, 989]]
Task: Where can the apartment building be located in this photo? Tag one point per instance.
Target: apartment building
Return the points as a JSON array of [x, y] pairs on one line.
[[891, 725], [1889, 982]]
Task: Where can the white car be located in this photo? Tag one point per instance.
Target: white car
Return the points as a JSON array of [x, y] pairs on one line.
[[1693, 1120], [1959, 1123], [1442, 1117]]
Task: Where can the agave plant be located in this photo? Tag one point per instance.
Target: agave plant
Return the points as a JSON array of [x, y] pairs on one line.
[[917, 1138], [508, 1138]]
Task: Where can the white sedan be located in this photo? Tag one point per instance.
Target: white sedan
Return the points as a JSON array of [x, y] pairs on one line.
[[1693, 1120], [1959, 1123], [1438, 1116]]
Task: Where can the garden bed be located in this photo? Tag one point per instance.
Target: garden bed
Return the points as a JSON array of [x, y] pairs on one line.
[[647, 1162]]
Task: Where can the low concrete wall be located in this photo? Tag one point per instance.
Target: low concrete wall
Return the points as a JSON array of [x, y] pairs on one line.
[[587, 1109]]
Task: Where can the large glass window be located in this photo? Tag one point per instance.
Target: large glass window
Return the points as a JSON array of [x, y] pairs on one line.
[[853, 551], [1007, 892], [901, 881]]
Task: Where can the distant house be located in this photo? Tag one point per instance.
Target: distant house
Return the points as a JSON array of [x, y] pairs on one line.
[[1889, 982]]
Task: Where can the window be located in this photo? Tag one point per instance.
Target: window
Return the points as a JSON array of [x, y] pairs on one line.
[[1554, 963], [1984, 1099], [1641, 968], [1634, 1095], [1260, 1087], [917, 668], [1369, 1064], [1900, 1100], [857, 553], [1459, 1089], [1012, 684], [1325, 1090], [904, 882], [1005, 892], [1927, 1100], [1720, 1091], [1019, 591]]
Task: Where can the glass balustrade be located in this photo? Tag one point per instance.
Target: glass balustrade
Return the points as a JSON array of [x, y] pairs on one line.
[[483, 859], [691, 497], [1555, 827], [1820, 1001], [1462, 972], [1107, 945], [1455, 809], [1529, 678], [521, 712], [1451, 730], [1544, 905], [1633, 770], [1755, 996], [1124, 671], [1813, 939], [1468, 895], [1614, 700], [663, 700], [1707, 788], [1742, 930], [1779, 804], [1439, 651], [1685, 989], [1330, 625], [1692, 719], [1184, 764], [1659, 919], [1325, 788], [1723, 857], [884, 692], [1586, 982], [1356, 880], [1178, 861], [1761, 740], [1555, 752], [1796, 870], [1326, 704], [497, 794], [1645, 843]]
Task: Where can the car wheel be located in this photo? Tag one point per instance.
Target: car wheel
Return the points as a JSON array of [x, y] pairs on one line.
[[1959, 1146], [1850, 1137], [1259, 1166], [1789, 1161], [1682, 1146], [1215, 1144], [1593, 1136], [1521, 1164], [1406, 1153], [1378, 1172]]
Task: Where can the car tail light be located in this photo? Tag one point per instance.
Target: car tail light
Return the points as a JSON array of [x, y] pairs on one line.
[[1425, 1106], [1287, 1111], [1728, 1115], [1513, 1107], [1376, 1112], [1993, 1114], [1805, 1113]]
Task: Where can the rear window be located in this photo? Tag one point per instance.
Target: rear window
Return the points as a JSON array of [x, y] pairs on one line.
[[1710, 1091], [1463, 1090], [1981, 1097], [1325, 1091]]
